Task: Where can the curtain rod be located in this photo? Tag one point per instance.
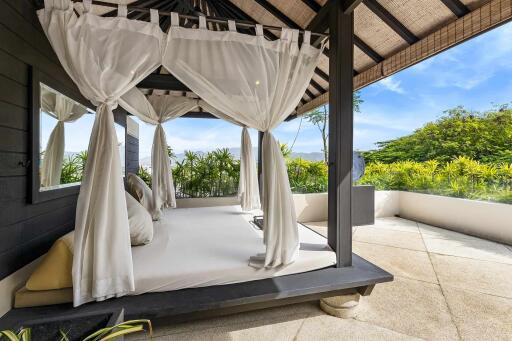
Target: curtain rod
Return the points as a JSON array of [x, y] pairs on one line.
[[217, 20]]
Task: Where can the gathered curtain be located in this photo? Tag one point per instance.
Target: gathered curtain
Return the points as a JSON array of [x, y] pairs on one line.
[[156, 110], [105, 57], [248, 189], [258, 83], [65, 111]]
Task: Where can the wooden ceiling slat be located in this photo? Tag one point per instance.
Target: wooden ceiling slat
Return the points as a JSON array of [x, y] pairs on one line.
[[377, 58], [391, 21], [315, 6], [457, 7]]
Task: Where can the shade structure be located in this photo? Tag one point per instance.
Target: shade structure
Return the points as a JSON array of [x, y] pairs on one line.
[[102, 263], [258, 83], [65, 111]]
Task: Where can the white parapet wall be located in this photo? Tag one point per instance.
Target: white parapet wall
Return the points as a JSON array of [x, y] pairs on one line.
[[484, 219]]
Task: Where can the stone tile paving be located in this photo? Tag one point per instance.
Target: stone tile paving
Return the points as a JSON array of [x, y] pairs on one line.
[[448, 286]]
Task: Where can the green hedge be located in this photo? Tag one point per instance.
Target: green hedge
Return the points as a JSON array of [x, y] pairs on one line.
[[462, 177]]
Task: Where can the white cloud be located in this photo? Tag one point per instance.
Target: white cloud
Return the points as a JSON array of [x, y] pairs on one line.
[[391, 84]]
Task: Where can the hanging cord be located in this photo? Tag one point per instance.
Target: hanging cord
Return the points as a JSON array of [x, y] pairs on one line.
[[297, 134]]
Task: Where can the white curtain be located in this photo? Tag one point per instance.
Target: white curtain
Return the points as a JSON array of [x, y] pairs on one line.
[[65, 111], [257, 83], [248, 190], [105, 57], [156, 110]]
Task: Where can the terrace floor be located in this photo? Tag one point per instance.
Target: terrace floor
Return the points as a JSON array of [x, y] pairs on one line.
[[448, 286]]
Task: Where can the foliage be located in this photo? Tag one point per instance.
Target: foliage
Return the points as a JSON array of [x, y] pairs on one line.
[[320, 116], [145, 175], [463, 177], [73, 168], [287, 151], [307, 176], [104, 334], [214, 174], [484, 137]]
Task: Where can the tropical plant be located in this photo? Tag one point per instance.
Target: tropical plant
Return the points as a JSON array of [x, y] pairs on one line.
[[73, 168], [104, 334], [145, 175], [462, 177]]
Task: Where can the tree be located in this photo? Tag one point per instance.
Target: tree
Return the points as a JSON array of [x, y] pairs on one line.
[[319, 117], [483, 137]]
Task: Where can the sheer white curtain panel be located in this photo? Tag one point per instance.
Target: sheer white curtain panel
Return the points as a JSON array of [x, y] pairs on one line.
[[65, 111], [258, 83], [156, 110], [105, 57]]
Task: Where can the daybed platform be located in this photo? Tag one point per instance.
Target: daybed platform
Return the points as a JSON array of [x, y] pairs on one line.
[[204, 302], [197, 266]]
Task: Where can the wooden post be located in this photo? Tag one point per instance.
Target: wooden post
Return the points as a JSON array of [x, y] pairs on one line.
[[341, 28]]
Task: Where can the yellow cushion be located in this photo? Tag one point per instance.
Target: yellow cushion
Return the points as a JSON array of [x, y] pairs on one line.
[[54, 271], [26, 298]]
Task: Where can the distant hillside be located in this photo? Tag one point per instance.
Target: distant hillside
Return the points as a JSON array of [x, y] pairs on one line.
[[484, 137], [313, 156]]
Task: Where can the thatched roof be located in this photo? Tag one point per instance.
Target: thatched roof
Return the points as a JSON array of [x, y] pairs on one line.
[[389, 34]]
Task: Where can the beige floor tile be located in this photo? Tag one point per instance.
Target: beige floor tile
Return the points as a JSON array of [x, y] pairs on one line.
[[400, 262], [279, 328], [452, 243], [321, 227], [410, 307], [480, 317], [325, 327], [476, 275], [163, 326], [406, 240], [396, 224]]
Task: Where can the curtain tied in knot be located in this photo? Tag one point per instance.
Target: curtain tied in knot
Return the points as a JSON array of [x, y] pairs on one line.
[[111, 103]]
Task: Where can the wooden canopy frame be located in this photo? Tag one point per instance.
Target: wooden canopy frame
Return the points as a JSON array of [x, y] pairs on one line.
[[352, 274]]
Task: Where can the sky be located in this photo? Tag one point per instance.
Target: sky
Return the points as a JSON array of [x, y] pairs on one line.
[[476, 74]]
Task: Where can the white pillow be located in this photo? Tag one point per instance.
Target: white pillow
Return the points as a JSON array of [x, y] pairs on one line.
[[141, 225], [141, 191]]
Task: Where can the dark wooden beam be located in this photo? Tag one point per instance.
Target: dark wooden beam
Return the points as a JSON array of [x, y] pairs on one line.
[[457, 7], [377, 58], [278, 14], [339, 235], [350, 5], [320, 23], [162, 82], [315, 6], [391, 21], [199, 114]]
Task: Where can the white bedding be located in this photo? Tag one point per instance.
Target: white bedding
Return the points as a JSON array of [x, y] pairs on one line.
[[196, 247]]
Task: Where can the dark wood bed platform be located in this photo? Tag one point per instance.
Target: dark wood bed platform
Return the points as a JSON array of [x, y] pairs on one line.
[[188, 304]]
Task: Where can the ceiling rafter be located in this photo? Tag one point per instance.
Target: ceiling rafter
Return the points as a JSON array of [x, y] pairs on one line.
[[457, 7], [391, 21], [315, 6], [377, 58]]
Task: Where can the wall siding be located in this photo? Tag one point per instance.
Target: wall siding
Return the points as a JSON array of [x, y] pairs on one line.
[[28, 230]]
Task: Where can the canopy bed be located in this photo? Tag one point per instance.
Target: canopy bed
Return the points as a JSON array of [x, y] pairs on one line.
[[213, 258]]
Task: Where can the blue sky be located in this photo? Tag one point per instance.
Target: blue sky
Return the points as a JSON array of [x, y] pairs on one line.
[[474, 74]]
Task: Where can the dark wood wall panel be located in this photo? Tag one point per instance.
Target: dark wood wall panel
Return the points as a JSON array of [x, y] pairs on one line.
[[28, 230], [132, 154]]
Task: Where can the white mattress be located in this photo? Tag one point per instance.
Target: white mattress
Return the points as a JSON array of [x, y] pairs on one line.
[[195, 247]]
